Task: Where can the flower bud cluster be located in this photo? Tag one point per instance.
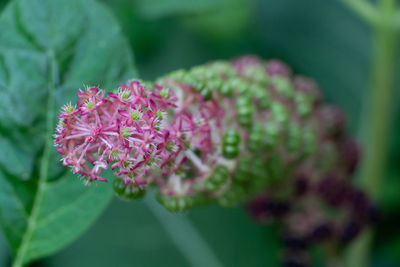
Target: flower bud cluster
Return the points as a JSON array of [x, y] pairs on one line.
[[124, 130], [226, 131]]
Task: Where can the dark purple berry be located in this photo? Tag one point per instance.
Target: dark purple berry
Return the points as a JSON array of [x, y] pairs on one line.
[[321, 232], [277, 208], [350, 231], [295, 261], [295, 243], [332, 190], [256, 209], [350, 154], [263, 209], [332, 120], [301, 186], [359, 203]]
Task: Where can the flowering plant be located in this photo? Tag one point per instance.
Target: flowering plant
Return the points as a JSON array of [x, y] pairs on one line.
[[245, 130]]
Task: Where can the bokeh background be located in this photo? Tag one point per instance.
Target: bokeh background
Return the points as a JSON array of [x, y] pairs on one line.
[[321, 39]]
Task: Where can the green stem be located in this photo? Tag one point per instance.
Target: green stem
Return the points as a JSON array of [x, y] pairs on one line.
[[363, 9], [381, 96], [378, 119]]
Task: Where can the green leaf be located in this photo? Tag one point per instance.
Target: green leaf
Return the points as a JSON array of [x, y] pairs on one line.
[[49, 49], [2, 4], [225, 23], [202, 237], [163, 8]]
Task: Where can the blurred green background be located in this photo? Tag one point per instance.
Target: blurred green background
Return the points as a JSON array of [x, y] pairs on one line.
[[321, 39]]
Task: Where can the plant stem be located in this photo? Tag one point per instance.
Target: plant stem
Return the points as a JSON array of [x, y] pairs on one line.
[[381, 96], [378, 119], [363, 9]]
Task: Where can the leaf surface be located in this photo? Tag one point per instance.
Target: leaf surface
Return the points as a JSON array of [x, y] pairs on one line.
[[49, 49]]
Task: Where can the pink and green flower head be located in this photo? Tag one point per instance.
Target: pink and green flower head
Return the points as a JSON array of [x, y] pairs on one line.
[[226, 131]]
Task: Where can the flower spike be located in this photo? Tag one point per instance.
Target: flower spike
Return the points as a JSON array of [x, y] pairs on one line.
[[227, 131]]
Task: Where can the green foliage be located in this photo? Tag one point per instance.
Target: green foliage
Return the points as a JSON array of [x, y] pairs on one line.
[[213, 19], [321, 39], [230, 235], [2, 4], [161, 8], [226, 22], [48, 49]]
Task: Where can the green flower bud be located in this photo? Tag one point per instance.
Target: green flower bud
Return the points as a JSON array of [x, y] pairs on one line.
[[164, 93], [190, 80], [211, 186], [261, 95], [119, 186], [259, 173], [232, 196], [202, 73], [294, 137], [224, 68], [283, 86], [220, 174], [244, 109], [243, 101], [89, 104], [178, 75], [309, 141], [264, 100], [276, 169], [226, 90], [218, 178], [245, 120], [149, 85], [175, 203], [303, 104], [206, 93], [279, 113], [126, 132], [230, 151], [239, 85], [231, 137], [243, 170], [256, 140], [257, 73], [272, 131], [215, 84], [134, 192], [127, 192]]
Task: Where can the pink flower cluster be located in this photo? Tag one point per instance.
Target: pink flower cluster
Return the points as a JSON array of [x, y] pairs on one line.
[[131, 131]]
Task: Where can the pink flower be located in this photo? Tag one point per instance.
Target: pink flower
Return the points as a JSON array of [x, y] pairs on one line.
[[88, 93], [132, 132]]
